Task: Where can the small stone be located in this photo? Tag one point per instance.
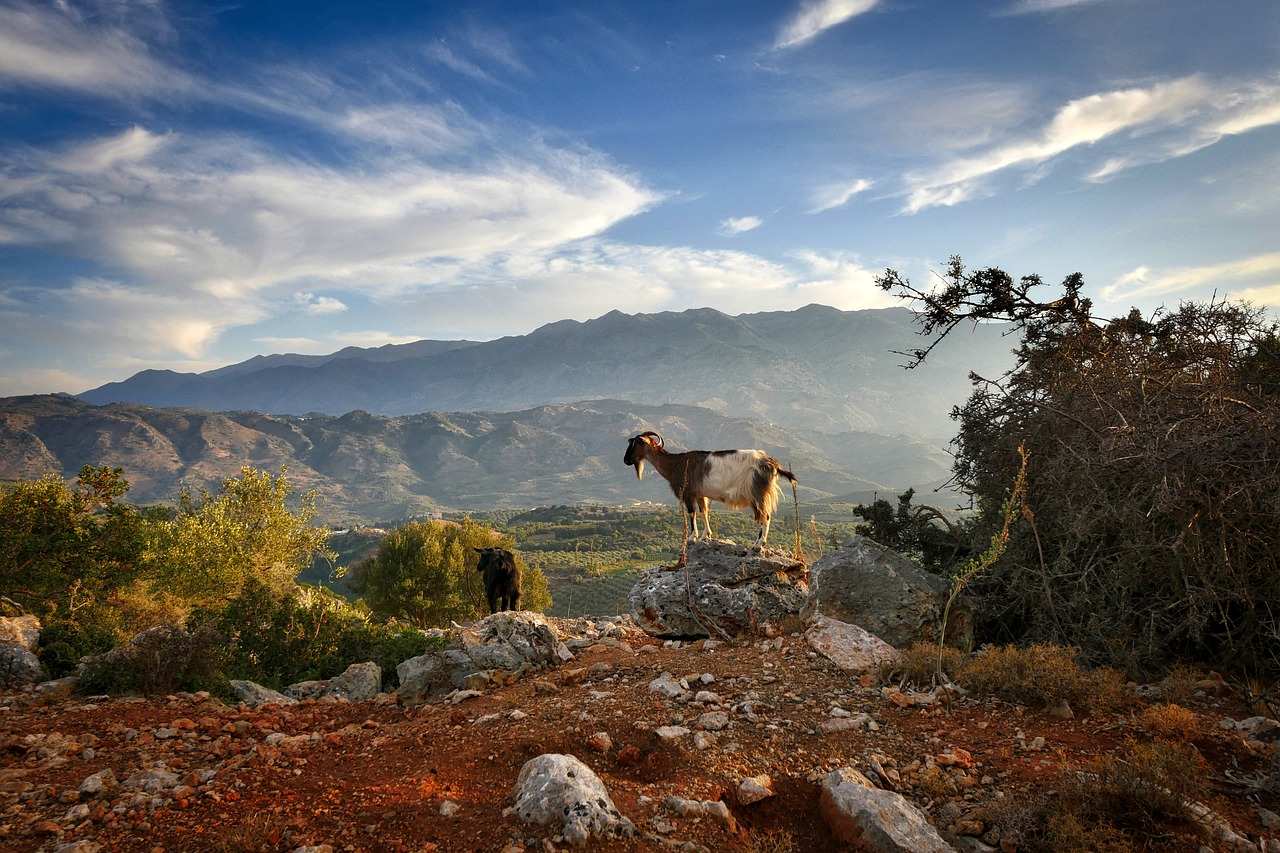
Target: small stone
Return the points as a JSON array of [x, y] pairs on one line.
[[670, 734], [1061, 711], [600, 742], [753, 789], [713, 721], [449, 808]]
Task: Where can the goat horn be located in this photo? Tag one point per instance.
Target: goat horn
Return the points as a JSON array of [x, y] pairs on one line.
[[655, 435]]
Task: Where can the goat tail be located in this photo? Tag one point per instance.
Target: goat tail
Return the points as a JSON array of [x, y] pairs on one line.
[[783, 472]]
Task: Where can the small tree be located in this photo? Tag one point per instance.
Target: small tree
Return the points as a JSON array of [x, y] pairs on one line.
[[216, 543], [62, 549], [425, 574]]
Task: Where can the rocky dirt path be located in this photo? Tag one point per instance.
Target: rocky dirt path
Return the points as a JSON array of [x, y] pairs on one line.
[[190, 773]]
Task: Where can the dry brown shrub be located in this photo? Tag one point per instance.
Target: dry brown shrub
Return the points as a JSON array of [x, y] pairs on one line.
[[917, 664], [1042, 675], [1179, 685], [1170, 721], [773, 841], [1111, 808]]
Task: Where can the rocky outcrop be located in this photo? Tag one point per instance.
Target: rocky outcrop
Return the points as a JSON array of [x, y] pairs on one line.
[[731, 590], [867, 818], [253, 694], [19, 667], [866, 584], [849, 646], [360, 682], [20, 631], [509, 642], [561, 790]]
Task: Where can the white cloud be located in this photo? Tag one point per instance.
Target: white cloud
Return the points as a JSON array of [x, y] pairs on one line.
[[815, 16], [1143, 282], [318, 306], [837, 195], [1023, 7], [735, 225], [131, 146], [56, 45], [372, 338], [1159, 122]]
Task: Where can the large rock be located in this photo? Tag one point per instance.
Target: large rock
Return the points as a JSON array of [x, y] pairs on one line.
[[561, 790], [735, 591], [20, 631], [512, 641], [359, 682], [867, 818], [254, 694], [849, 646], [864, 583], [19, 667]]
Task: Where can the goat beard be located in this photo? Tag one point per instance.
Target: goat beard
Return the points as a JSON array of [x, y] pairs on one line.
[[640, 470]]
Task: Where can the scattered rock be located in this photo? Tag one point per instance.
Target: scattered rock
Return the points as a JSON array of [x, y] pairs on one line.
[[667, 685], [848, 646], [1061, 711], [701, 808], [600, 742], [562, 790], [359, 682], [57, 689], [254, 694], [736, 589], [19, 666], [670, 734], [753, 789], [866, 584], [877, 821], [449, 808], [713, 721], [100, 784]]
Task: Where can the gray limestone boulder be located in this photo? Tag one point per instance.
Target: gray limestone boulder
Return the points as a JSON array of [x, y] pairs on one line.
[[19, 666], [867, 818], [561, 790], [511, 641], [731, 590], [864, 583], [359, 682], [253, 694]]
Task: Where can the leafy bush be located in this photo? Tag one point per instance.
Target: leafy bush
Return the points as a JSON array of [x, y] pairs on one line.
[[161, 660], [307, 633], [65, 641], [425, 574], [62, 549], [215, 544], [1156, 441], [1042, 675]]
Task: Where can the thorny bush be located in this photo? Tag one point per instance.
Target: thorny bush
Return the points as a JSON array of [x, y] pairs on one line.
[[1151, 532]]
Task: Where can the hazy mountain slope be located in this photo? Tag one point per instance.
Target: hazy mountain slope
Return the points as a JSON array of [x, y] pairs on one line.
[[372, 467], [813, 368], [387, 352]]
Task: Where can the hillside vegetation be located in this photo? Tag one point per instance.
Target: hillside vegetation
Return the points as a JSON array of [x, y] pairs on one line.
[[366, 467]]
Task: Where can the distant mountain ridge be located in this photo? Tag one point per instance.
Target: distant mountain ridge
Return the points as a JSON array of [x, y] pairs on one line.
[[369, 467], [813, 368]]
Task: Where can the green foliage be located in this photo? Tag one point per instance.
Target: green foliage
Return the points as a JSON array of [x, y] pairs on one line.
[[924, 533], [217, 543], [65, 641], [64, 548], [305, 633], [424, 573]]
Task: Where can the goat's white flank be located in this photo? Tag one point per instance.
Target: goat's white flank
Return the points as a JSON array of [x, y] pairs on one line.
[[730, 479]]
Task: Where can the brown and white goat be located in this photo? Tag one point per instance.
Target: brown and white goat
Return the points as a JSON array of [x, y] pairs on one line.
[[736, 478]]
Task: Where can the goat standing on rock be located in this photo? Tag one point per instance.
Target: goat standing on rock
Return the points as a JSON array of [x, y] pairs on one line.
[[736, 478]]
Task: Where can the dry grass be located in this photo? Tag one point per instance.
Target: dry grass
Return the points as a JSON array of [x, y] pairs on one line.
[[1043, 675], [1112, 808], [773, 841], [1170, 721], [1179, 686], [918, 664]]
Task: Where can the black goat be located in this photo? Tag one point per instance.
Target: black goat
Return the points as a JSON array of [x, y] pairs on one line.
[[501, 578]]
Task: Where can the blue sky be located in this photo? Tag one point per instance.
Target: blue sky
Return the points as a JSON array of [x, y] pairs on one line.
[[183, 185]]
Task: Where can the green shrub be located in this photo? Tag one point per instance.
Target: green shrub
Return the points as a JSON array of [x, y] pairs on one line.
[[424, 573], [65, 641], [306, 633]]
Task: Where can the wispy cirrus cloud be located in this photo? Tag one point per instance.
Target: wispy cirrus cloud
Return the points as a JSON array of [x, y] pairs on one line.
[[736, 225], [816, 16], [1158, 122], [318, 306], [1226, 277], [837, 195], [1027, 7]]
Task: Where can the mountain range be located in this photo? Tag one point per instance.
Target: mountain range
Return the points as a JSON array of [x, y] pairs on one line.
[[368, 467], [815, 368]]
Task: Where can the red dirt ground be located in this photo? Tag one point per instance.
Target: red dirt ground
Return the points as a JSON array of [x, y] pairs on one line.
[[376, 778]]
